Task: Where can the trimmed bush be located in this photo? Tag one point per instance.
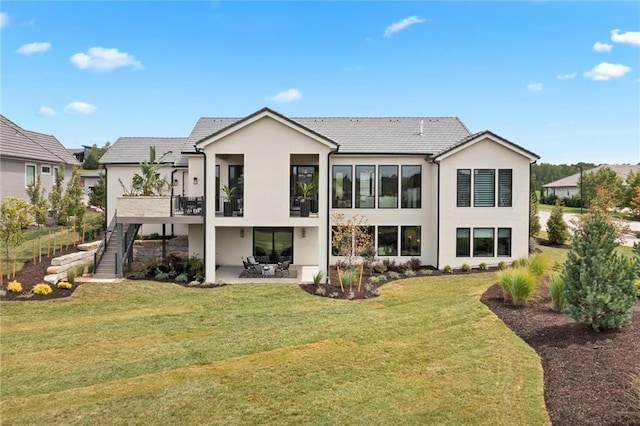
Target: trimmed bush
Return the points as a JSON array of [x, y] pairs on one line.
[[502, 265], [42, 288], [483, 266], [394, 275], [64, 284], [539, 264], [160, 275], [556, 227], [556, 288], [427, 272], [518, 285], [374, 280], [409, 273], [182, 278], [382, 277], [414, 263], [14, 286], [520, 262], [447, 269], [465, 267]]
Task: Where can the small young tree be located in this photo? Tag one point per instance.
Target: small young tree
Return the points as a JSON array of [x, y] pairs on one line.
[[534, 219], [605, 178], [15, 215], [598, 281], [56, 198], [556, 226], [38, 201], [73, 202], [97, 196], [635, 202], [351, 239]]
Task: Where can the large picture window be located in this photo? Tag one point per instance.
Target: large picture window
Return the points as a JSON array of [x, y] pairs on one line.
[[483, 242], [387, 240], [388, 187], [504, 241], [463, 242], [504, 187], [410, 242], [484, 188], [464, 188], [341, 187], [273, 244], [411, 187], [30, 175], [365, 187]]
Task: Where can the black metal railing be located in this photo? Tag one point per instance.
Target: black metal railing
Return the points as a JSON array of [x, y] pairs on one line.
[[97, 256], [187, 206]]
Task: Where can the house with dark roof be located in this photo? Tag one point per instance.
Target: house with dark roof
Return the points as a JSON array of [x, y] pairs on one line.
[[25, 154], [428, 188], [569, 186]]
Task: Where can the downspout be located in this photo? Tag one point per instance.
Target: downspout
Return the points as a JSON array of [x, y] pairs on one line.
[[106, 192], [204, 210], [172, 195], [437, 163], [329, 236]]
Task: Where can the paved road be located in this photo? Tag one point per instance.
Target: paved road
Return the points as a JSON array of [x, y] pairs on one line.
[[629, 239]]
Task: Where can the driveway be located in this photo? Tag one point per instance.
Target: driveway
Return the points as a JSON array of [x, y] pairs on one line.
[[570, 218]]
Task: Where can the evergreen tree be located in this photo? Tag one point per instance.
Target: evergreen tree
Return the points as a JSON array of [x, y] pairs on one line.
[[534, 219], [73, 198], [56, 199], [556, 226], [38, 201], [97, 196], [599, 282]]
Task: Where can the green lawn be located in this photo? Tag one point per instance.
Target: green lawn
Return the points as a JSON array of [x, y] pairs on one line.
[[549, 207], [426, 351]]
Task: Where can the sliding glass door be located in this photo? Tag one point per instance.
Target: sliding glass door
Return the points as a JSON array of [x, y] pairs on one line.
[[273, 244]]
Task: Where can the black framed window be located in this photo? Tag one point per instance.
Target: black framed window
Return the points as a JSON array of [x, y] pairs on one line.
[[463, 242], [504, 187], [504, 241], [271, 245], [388, 187], [236, 179], [411, 187], [387, 240], [464, 188], [484, 189], [483, 242], [217, 187], [365, 187], [342, 187], [410, 241]]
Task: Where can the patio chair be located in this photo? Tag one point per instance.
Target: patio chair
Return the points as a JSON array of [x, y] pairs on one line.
[[252, 262], [284, 266]]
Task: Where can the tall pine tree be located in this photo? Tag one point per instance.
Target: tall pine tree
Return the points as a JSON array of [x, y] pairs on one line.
[[598, 281]]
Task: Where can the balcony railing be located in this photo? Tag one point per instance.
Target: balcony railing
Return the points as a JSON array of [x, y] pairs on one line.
[[295, 206], [187, 206]]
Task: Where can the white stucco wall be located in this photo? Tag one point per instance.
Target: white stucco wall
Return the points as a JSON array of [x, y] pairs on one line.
[[484, 154]]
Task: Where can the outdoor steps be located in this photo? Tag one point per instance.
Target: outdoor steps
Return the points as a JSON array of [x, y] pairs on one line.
[[107, 266]]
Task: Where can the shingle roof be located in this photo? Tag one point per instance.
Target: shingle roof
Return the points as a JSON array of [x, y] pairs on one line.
[[363, 134], [19, 143], [572, 181], [132, 150]]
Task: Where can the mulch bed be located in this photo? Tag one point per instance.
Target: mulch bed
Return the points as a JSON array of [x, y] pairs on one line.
[[588, 376]]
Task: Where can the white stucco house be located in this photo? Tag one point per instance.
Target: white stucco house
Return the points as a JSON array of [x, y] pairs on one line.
[[569, 186], [428, 187]]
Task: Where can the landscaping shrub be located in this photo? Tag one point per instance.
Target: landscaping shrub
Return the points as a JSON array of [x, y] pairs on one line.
[[447, 269], [556, 288], [638, 288], [64, 284], [140, 275], [378, 268], [393, 275], [539, 264], [465, 267], [518, 285], [182, 278], [520, 262], [482, 266], [161, 275], [317, 277], [414, 263], [390, 264], [409, 273], [426, 272], [382, 277], [71, 275], [14, 286], [196, 266], [502, 265], [374, 280], [152, 263], [556, 226], [42, 288]]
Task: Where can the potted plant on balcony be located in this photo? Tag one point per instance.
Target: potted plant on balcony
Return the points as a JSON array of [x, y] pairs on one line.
[[306, 189], [227, 199]]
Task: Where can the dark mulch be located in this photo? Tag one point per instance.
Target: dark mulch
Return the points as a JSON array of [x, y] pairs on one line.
[[30, 275], [588, 376]]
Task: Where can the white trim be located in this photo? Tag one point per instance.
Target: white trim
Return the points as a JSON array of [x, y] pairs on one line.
[[482, 137], [42, 166], [26, 175]]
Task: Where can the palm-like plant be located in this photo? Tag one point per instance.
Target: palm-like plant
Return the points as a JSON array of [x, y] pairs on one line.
[[148, 181], [229, 192]]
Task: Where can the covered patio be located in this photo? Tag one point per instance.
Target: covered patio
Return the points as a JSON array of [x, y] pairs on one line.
[[231, 275]]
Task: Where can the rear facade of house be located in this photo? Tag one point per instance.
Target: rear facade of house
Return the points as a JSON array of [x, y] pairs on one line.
[[427, 187]]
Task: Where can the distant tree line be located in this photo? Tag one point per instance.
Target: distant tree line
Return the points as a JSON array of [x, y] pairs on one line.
[[543, 173]]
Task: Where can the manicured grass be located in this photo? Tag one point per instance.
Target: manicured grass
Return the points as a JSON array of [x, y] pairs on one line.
[[426, 351], [549, 207]]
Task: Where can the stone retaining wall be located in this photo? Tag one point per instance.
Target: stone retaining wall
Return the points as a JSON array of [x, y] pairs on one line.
[[144, 249]]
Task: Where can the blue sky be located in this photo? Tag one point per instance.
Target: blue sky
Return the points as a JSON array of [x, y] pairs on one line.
[[560, 78]]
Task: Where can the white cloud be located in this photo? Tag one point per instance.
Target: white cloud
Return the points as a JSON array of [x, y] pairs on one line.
[[103, 59], [602, 47], [535, 87], [569, 76], [4, 19], [401, 25], [46, 111], [631, 37], [606, 71], [287, 96], [31, 48], [80, 107]]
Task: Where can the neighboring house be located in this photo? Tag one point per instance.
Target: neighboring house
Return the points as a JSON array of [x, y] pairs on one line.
[[24, 155], [569, 186], [428, 188]]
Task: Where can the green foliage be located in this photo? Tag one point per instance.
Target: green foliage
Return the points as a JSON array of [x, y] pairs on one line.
[[15, 215], [39, 203], [56, 198], [152, 263], [91, 160], [195, 265], [382, 277], [97, 197], [229, 192], [149, 181], [518, 285], [71, 275], [161, 275], [557, 230], [520, 262], [630, 189], [73, 199], [42, 289], [598, 281], [182, 278], [482, 266], [375, 280], [534, 219], [409, 273], [64, 284], [427, 272], [465, 267], [317, 277], [604, 178], [539, 264], [637, 284], [502, 265], [414, 263], [306, 189], [348, 277], [140, 275], [556, 289], [393, 275], [14, 286], [447, 269], [543, 173]]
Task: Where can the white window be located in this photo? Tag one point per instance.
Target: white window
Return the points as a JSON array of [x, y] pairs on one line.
[[30, 175], [45, 170]]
